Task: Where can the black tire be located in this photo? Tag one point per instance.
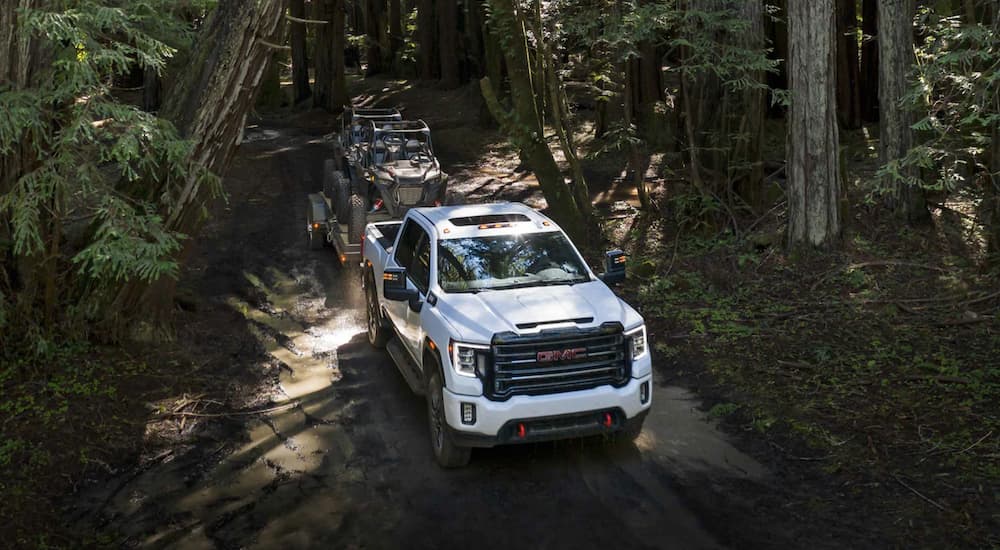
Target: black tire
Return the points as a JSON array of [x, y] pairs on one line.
[[631, 431], [378, 332], [341, 197], [356, 217], [329, 169], [447, 454]]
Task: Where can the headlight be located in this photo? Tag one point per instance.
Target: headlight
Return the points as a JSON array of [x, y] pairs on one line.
[[637, 337], [464, 357]]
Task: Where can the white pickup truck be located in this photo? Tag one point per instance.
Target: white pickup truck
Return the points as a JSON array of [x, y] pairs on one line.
[[491, 312]]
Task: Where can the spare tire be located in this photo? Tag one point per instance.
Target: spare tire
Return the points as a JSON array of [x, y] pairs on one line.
[[356, 219], [341, 197]]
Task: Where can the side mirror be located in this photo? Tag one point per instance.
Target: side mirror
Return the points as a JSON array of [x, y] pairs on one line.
[[394, 286], [614, 267]]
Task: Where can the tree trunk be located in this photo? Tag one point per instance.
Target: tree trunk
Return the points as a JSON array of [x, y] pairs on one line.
[[523, 124], [300, 59], [447, 11], [395, 32], [848, 68], [814, 186], [724, 128], [330, 87], [323, 10], [338, 51], [560, 115], [869, 61], [895, 48], [373, 36], [208, 106], [426, 45]]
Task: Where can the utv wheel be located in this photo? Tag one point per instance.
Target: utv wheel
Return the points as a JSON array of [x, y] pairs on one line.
[[378, 333], [341, 197], [329, 184], [356, 217], [447, 454]]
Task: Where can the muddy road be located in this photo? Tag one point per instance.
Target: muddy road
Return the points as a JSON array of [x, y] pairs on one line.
[[342, 460]]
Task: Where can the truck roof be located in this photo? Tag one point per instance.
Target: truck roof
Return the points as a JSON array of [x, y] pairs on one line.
[[473, 220]]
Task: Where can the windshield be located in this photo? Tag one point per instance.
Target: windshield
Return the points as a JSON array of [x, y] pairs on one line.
[[508, 261]]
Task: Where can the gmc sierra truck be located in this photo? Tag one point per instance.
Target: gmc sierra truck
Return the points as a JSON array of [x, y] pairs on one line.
[[492, 314]]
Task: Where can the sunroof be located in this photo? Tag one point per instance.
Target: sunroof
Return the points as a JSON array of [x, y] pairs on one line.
[[489, 218]]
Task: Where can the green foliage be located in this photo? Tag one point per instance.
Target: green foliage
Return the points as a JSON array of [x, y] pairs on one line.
[[956, 94], [93, 172]]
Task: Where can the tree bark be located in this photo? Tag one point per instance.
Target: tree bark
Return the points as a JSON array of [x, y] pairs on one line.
[[447, 11], [869, 61], [848, 65], [895, 45], [330, 86], [300, 58], [426, 45], [396, 36], [814, 185], [373, 36]]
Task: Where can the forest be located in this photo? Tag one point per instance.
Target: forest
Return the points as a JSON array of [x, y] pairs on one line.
[[808, 192]]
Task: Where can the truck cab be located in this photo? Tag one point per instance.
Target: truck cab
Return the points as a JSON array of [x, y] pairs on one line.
[[491, 312]]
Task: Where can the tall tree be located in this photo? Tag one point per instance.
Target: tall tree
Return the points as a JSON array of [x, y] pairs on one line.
[[374, 36], [895, 46], [208, 105], [447, 12], [300, 58], [330, 88], [396, 37], [814, 185], [523, 124], [427, 48]]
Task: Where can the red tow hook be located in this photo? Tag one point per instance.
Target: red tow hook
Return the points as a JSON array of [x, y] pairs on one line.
[[521, 431], [608, 420]]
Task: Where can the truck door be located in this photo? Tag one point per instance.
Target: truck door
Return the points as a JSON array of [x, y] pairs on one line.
[[412, 238]]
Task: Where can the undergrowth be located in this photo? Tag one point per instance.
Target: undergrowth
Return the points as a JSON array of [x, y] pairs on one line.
[[879, 369]]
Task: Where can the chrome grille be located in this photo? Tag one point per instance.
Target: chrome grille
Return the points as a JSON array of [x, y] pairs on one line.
[[557, 361]]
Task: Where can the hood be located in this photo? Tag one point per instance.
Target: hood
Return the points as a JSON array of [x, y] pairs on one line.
[[477, 317], [404, 169]]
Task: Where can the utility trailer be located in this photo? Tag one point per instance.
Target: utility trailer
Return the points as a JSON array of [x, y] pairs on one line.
[[332, 217]]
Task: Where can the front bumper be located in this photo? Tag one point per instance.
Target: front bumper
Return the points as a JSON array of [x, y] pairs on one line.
[[546, 417]]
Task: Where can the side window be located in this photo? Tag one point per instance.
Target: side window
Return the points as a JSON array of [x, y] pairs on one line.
[[420, 268], [407, 243]]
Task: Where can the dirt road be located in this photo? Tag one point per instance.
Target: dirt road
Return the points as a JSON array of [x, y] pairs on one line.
[[344, 460]]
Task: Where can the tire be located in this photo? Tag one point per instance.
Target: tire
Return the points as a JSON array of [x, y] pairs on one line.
[[631, 431], [447, 454], [341, 197], [356, 217], [329, 187], [378, 333]]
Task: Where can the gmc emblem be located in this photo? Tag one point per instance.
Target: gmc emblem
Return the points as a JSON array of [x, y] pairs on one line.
[[561, 355]]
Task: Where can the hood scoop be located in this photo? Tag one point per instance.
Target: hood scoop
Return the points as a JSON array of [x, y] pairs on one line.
[[578, 320]]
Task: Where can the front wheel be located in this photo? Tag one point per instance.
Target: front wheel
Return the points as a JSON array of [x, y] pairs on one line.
[[378, 333], [447, 454]]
